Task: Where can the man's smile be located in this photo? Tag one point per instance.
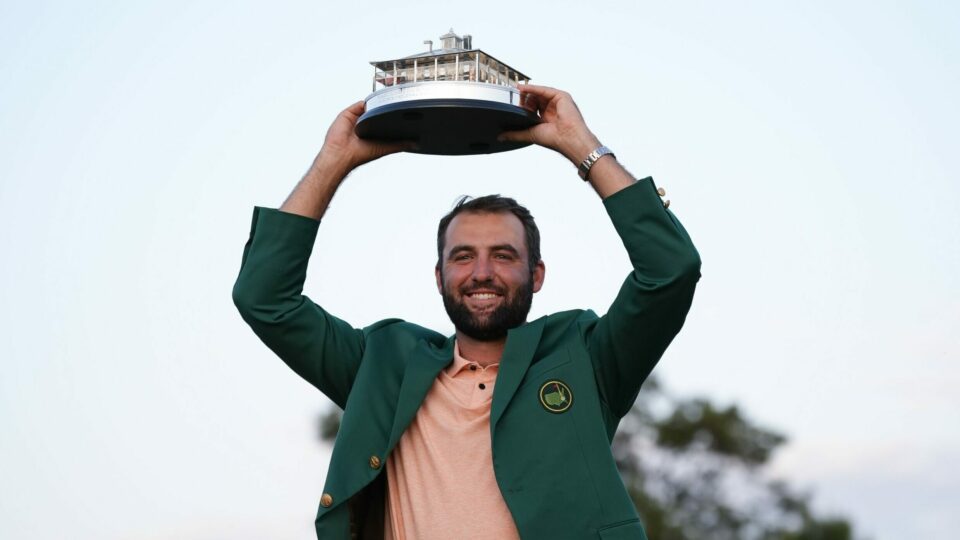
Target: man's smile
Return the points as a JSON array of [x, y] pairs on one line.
[[483, 298]]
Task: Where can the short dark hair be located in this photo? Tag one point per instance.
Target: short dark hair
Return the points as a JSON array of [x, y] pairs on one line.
[[493, 204]]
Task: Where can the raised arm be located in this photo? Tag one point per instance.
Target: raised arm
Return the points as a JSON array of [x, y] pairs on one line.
[[627, 342], [321, 348], [342, 152], [652, 305]]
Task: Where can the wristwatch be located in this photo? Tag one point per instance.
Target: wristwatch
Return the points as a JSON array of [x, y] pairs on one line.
[[585, 165]]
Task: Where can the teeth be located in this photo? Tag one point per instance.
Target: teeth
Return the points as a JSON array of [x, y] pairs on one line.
[[483, 296]]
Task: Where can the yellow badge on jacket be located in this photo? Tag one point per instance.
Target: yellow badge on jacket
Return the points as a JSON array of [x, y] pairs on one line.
[[555, 396]]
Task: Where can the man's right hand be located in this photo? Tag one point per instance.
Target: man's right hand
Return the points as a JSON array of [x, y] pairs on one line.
[[344, 148]]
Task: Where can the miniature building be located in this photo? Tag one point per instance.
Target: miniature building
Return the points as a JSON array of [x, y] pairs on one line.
[[454, 100], [455, 60]]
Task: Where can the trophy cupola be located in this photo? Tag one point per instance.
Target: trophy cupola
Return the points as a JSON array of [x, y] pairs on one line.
[[451, 40]]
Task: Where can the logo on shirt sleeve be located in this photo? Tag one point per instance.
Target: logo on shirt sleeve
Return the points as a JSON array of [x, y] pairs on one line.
[[555, 396]]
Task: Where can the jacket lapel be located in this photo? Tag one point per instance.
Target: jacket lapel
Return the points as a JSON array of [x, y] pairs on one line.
[[427, 361], [521, 345], [422, 369]]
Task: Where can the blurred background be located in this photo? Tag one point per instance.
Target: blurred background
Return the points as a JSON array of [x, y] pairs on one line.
[[804, 145]]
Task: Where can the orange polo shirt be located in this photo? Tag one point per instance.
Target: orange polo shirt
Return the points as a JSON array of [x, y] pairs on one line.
[[440, 481]]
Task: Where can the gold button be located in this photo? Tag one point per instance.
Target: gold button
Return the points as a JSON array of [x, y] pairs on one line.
[[374, 462], [326, 500], [666, 203], [661, 192]]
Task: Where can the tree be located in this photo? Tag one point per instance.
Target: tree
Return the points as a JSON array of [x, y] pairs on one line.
[[695, 471]]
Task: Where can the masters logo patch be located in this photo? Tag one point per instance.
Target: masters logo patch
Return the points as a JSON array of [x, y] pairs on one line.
[[555, 396]]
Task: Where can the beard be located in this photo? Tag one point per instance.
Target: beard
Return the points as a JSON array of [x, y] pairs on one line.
[[490, 326]]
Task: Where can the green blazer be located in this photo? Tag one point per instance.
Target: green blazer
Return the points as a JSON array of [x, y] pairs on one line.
[[565, 380]]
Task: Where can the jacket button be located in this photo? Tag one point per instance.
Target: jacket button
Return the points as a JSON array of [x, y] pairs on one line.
[[661, 192], [326, 500], [374, 462], [666, 204]]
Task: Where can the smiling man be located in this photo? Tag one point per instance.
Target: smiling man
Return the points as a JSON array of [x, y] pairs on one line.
[[488, 267], [504, 429]]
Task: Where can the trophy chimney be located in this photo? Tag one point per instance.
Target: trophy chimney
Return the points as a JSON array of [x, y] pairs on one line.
[[429, 44], [468, 42]]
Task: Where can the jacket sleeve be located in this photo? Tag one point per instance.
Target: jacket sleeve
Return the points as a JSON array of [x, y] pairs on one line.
[[319, 347], [627, 342]]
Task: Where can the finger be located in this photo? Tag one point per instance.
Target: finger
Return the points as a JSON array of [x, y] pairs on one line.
[[520, 135], [354, 111], [387, 148], [357, 108], [546, 93], [408, 146], [530, 102]]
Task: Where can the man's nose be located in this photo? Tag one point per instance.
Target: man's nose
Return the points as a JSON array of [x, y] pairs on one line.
[[482, 269]]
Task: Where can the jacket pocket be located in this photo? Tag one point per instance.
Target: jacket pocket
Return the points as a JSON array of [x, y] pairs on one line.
[[548, 363], [625, 530]]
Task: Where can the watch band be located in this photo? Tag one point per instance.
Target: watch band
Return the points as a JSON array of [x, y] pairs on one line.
[[584, 169]]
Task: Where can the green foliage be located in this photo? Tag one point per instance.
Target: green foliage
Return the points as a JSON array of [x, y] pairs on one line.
[[724, 432], [694, 470]]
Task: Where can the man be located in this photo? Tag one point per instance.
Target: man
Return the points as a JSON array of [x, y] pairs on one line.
[[503, 430]]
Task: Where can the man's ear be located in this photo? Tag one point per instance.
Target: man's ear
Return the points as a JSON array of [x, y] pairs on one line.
[[436, 272], [539, 272]]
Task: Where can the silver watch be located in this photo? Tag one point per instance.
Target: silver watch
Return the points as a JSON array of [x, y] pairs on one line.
[[585, 165]]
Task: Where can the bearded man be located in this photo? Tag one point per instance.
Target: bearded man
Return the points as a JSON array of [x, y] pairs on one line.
[[504, 429]]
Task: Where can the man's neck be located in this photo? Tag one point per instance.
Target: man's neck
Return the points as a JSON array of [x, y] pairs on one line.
[[481, 352]]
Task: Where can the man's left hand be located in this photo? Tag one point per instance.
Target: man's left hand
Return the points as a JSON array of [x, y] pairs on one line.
[[562, 128]]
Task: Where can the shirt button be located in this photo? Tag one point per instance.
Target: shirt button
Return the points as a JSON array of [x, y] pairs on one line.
[[374, 462], [483, 386], [326, 500]]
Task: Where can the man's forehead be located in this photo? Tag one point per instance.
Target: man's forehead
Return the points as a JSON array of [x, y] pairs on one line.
[[488, 227]]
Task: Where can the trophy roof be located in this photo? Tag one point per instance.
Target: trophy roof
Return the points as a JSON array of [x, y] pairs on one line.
[[443, 53], [452, 45]]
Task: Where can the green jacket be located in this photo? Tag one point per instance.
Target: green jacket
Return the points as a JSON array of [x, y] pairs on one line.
[[551, 443]]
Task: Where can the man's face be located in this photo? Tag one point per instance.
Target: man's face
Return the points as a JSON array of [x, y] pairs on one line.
[[484, 277]]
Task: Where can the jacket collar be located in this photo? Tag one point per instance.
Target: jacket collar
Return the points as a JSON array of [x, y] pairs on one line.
[[425, 364]]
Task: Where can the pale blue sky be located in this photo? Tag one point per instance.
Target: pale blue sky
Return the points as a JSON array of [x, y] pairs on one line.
[[806, 147]]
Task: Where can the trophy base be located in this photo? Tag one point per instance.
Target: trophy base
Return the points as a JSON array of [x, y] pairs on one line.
[[450, 127]]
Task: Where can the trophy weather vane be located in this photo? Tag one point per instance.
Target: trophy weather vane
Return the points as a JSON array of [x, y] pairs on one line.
[[454, 100]]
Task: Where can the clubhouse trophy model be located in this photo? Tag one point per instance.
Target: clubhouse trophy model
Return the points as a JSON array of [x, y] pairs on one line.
[[454, 100]]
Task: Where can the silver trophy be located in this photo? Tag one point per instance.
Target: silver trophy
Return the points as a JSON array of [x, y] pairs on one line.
[[454, 100]]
